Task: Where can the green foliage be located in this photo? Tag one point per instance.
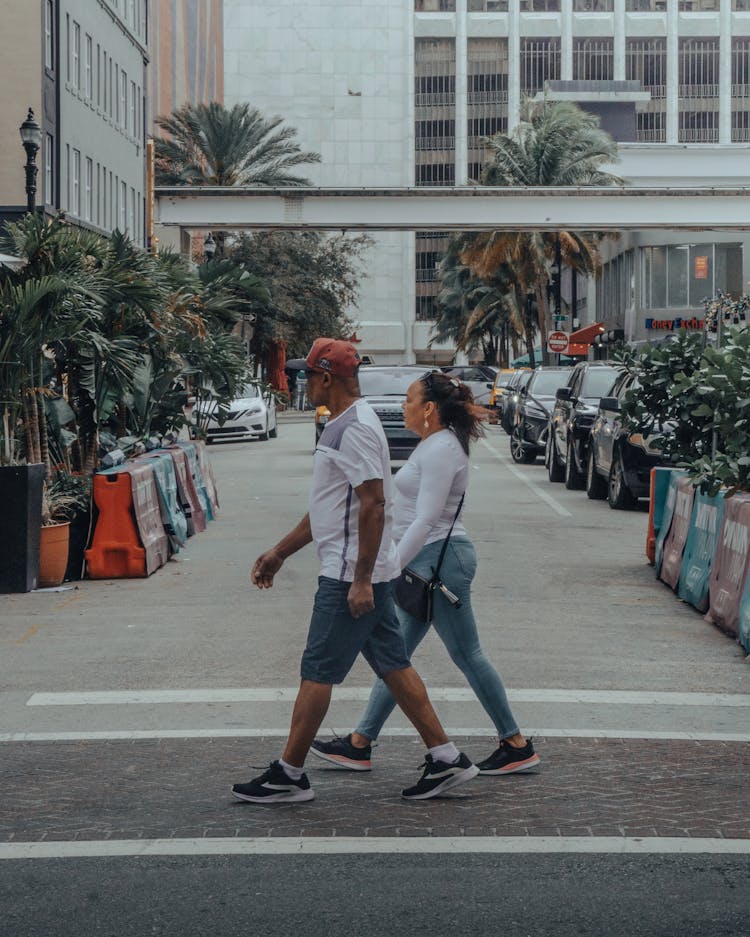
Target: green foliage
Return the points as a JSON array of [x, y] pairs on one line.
[[699, 394]]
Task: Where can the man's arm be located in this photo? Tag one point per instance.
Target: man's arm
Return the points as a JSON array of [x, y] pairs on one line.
[[371, 523], [270, 562]]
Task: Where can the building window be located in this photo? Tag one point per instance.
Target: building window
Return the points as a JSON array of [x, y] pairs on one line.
[[602, 6], [593, 59], [76, 204], [740, 5], [435, 111], [698, 6], [683, 275], [122, 115], [76, 56], [646, 62], [487, 104], [68, 51], [488, 6], [123, 224], [698, 90], [89, 68], [133, 121], [132, 206], [435, 6], [646, 6], [540, 62], [98, 75], [540, 6], [49, 35], [88, 209], [105, 218], [49, 169], [740, 90]]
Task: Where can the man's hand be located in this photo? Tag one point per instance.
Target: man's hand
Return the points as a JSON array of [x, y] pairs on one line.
[[361, 598], [265, 568]]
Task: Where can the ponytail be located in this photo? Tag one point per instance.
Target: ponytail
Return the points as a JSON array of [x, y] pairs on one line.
[[455, 405]]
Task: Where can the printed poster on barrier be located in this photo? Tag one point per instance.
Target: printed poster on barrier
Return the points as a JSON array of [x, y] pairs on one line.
[[674, 543], [729, 571], [697, 559], [666, 516]]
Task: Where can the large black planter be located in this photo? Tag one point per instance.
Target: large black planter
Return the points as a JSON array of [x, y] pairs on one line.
[[20, 523]]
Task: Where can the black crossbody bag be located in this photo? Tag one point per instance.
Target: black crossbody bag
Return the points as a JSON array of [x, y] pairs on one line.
[[414, 594]]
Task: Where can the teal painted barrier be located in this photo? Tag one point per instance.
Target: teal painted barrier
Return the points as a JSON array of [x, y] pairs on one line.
[[705, 525], [172, 515], [666, 513], [191, 451]]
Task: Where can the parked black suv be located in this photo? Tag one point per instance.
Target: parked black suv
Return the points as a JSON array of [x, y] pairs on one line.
[[572, 418], [528, 435], [619, 463]]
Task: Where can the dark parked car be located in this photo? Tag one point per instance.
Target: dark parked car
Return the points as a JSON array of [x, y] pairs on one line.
[[619, 462], [572, 417], [510, 398], [528, 436], [384, 388]]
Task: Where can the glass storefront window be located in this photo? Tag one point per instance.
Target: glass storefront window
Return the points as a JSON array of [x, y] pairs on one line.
[[683, 275], [677, 280]]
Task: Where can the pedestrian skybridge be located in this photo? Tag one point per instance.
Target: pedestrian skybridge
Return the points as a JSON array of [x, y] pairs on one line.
[[469, 208]]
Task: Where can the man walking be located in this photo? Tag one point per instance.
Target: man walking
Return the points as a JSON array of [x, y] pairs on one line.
[[349, 521]]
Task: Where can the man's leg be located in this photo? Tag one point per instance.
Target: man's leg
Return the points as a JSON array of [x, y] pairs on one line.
[[409, 692], [310, 709]]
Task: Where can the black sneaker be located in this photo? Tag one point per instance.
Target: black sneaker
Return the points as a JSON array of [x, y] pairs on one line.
[[343, 754], [439, 777], [274, 787], [506, 759]]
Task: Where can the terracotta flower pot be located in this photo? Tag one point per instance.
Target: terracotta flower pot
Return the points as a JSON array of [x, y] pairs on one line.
[[53, 554]]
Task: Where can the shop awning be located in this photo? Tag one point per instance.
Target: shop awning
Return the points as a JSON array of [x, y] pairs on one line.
[[587, 334]]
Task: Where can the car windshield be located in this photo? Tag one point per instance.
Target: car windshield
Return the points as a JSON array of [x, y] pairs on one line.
[[249, 390], [545, 383], [597, 382], [387, 382]]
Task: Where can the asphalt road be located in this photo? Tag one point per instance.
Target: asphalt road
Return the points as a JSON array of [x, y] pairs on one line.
[[129, 707]]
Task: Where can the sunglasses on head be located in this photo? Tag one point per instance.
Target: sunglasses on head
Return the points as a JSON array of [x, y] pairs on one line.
[[428, 379]]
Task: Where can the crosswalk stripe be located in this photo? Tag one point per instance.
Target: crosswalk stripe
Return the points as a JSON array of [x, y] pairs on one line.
[[345, 845]]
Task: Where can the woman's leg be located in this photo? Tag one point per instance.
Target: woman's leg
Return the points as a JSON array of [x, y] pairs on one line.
[[458, 631], [381, 702]]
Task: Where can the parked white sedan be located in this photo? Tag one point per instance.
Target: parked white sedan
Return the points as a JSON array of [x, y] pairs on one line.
[[252, 415]]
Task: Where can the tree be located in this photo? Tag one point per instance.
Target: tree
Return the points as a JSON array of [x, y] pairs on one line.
[[210, 144], [556, 144]]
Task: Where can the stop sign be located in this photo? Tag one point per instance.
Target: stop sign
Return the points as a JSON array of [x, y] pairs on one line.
[[557, 341]]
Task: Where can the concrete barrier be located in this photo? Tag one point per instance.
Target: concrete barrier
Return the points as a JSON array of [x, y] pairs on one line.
[[674, 542], [727, 581], [697, 560], [666, 494]]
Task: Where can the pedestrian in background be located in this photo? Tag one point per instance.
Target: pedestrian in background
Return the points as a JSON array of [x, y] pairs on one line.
[[349, 520], [428, 506]]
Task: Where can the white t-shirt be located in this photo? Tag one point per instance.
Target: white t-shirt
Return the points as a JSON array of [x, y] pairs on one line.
[[428, 491], [352, 449]]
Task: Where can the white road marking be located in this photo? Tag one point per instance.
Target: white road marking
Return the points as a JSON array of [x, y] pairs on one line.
[[539, 492], [282, 732], [368, 845], [361, 694]]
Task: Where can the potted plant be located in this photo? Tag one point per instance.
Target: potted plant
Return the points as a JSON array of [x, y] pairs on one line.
[[58, 506]]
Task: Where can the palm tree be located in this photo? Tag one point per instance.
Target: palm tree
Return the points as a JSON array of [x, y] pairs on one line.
[[556, 144], [210, 144]]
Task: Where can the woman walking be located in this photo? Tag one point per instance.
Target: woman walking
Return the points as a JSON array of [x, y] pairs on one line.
[[429, 492]]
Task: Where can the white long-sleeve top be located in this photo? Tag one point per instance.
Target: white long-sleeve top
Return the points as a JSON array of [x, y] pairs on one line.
[[428, 490]]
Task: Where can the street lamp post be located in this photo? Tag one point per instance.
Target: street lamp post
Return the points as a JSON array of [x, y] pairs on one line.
[[31, 137]]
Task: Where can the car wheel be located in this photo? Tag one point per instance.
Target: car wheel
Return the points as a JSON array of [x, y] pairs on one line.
[[555, 471], [275, 431], [264, 436], [596, 486], [620, 497], [573, 477], [517, 450]]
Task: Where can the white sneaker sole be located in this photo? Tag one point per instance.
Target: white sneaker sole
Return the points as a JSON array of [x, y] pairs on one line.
[[466, 775], [295, 797], [340, 761], [525, 765]]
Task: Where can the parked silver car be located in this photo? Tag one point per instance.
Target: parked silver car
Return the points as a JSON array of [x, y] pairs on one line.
[[251, 415]]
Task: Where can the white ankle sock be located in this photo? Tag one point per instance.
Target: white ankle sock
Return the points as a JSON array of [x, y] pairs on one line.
[[447, 753], [291, 772]]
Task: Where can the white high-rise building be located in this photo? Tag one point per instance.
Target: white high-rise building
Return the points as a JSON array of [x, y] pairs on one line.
[[403, 92]]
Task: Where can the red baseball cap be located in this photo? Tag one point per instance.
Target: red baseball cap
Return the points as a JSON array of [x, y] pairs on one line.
[[333, 355]]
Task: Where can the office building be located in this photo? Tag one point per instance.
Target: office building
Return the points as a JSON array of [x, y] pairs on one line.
[[403, 93]]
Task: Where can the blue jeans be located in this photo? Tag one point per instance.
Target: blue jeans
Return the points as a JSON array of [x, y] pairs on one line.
[[458, 632]]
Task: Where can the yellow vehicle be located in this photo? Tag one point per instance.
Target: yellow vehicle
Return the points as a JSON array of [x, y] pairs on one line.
[[321, 418]]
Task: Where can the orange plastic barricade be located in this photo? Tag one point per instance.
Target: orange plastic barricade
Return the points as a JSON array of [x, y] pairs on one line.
[[191, 505], [129, 537]]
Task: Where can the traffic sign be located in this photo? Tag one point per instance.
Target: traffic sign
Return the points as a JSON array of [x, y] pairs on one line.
[[557, 342]]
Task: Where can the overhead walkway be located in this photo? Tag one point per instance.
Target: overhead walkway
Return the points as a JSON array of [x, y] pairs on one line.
[[469, 208]]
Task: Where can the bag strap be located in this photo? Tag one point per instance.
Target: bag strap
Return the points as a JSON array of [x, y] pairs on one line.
[[436, 571]]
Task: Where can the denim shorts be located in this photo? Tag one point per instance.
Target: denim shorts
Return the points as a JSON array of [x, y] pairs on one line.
[[336, 638]]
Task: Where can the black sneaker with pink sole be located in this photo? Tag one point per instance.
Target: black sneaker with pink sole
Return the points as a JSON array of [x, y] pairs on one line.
[[508, 760]]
